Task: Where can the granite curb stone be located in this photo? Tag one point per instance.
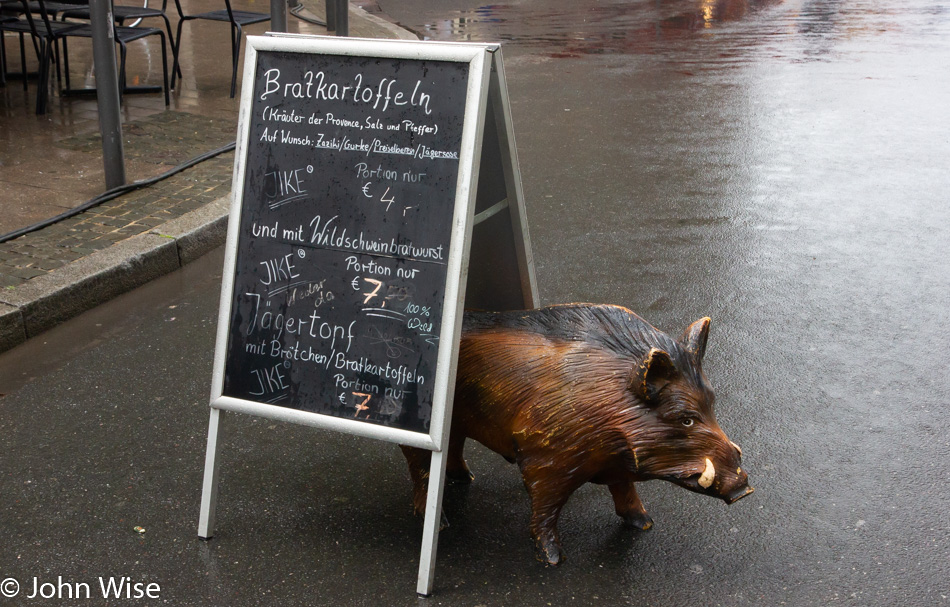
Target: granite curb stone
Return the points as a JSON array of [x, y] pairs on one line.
[[89, 281], [12, 331], [198, 232]]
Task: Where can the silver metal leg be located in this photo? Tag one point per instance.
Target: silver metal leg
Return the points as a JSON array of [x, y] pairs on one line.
[[209, 488], [430, 531]]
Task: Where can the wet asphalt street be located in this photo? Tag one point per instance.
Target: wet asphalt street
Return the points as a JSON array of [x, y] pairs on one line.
[[779, 166]]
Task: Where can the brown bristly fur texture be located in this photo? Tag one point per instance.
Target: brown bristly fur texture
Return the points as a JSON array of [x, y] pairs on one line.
[[584, 393]]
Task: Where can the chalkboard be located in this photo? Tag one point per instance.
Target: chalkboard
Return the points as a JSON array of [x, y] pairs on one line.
[[352, 196], [356, 188]]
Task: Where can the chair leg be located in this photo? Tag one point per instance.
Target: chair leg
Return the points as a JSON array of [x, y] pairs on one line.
[[59, 78], [23, 60], [171, 39], [3, 58], [235, 55], [122, 52], [37, 46], [42, 87], [65, 63], [176, 52], [165, 69]]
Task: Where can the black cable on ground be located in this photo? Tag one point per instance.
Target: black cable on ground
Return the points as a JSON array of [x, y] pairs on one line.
[[298, 8], [115, 192]]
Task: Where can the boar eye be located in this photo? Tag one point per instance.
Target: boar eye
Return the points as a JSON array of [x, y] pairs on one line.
[[688, 421]]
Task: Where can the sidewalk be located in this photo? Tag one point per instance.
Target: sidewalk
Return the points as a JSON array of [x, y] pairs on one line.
[[60, 271]]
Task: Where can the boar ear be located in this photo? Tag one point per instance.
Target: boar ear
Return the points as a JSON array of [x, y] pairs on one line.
[[694, 338], [649, 377]]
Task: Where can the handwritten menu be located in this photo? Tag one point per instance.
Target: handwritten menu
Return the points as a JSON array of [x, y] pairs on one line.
[[344, 235]]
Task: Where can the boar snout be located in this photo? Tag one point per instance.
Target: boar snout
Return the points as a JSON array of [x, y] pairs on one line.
[[738, 494], [735, 487], [723, 479], [733, 482]]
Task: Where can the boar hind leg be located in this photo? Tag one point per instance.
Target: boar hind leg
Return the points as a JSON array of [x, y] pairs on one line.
[[628, 505], [418, 460]]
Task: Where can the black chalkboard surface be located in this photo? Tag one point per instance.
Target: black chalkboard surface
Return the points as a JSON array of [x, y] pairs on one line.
[[345, 226]]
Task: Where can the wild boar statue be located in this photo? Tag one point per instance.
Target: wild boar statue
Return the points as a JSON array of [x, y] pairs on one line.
[[586, 393]]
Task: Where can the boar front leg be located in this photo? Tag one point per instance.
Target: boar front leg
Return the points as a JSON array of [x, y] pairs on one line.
[[628, 505], [549, 492]]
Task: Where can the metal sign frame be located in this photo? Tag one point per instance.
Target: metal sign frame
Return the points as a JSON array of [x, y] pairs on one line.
[[485, 88]]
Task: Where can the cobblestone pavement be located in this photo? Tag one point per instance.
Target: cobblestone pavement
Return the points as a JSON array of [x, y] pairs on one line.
[[52, 247], [168, 138]]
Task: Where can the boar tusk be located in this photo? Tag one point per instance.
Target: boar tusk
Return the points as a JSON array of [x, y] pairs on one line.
[[709, 474], [738, 448]]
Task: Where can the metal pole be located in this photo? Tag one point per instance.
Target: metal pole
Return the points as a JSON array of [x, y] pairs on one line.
[[278, 15], [342, 17], [331, 15], [107, 91]]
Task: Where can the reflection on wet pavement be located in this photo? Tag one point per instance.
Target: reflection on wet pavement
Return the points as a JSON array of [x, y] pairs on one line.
[[656, 26]]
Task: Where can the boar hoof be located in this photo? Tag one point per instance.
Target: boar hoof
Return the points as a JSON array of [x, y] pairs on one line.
[[421, 513], [460, 476], [640, 521], [549, 554]]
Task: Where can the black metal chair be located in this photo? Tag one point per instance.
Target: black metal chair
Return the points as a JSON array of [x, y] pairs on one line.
[[51, 8], [123, 35], [10, 13], [45, 34], [48, 33], [7, 18], [18, 8], [122, 13], [237, 19]]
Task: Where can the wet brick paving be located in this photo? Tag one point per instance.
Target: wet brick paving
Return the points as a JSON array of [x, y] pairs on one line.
[[165, 138], [168, 138]]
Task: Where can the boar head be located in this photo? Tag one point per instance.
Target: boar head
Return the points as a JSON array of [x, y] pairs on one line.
[[677, 437]]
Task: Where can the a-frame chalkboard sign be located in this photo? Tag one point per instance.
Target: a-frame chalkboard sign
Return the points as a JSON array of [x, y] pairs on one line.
[[376, 193]]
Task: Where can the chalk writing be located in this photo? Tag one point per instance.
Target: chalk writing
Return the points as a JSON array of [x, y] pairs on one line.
[[384, 94]]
